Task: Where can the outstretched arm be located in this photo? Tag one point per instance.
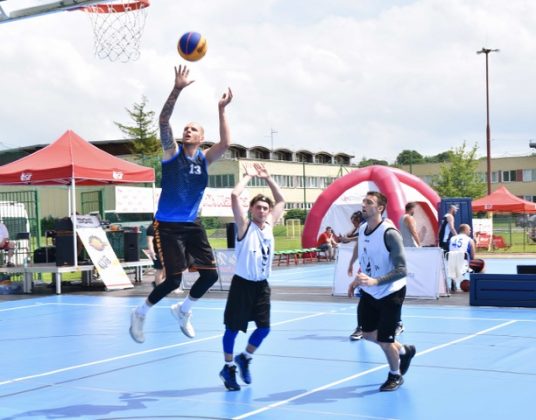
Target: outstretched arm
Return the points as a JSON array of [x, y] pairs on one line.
[[218, 149], [239, 213], [279, 205], [166, 134]]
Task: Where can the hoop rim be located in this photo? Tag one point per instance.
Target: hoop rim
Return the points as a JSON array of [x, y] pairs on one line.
[[116, 8]]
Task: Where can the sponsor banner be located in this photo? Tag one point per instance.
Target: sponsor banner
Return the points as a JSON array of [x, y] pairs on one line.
[[103, 257]]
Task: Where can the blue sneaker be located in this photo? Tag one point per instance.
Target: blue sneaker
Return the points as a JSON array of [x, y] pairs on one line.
[[228, 376], [243, 364]]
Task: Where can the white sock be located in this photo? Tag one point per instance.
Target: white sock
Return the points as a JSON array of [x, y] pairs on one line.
[[143, 309], [231, 363], [186, 306], [402, 351], [396, 372], [247, 354]]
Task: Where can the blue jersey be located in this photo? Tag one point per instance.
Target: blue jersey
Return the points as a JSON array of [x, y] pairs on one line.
[[184, 180]]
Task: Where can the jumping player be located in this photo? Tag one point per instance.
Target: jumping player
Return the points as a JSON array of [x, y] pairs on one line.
[[181, 239]]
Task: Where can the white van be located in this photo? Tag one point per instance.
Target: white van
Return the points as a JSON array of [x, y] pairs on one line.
[[15, 217]]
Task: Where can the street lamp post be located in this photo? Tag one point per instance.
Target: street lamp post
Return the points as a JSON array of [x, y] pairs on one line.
[[488, 132]]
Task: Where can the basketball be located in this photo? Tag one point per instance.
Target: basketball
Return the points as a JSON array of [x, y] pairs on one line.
[[192, 46], [464, 285]]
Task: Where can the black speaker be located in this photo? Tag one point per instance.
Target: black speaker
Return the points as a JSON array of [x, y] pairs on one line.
[[45, 254], [65, 223], [131, 246], [64, 248], [231, 234]]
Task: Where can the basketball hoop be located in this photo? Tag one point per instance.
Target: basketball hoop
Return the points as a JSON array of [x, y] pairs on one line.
[[118, 27]]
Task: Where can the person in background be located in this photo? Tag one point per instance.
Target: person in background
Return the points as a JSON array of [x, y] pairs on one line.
[[157, 264], [326, 242], [464, 243], [356, 218], [6, 245], [249, 295], [446, 228], [408, 227]]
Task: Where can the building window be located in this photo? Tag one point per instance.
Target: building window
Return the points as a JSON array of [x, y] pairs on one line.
[[509, 176], [529, 175], [221, 181]]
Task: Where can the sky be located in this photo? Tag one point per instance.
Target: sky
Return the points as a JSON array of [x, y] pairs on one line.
[[366, 77]]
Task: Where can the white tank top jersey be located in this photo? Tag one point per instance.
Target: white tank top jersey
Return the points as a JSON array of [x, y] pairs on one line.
[[255, 253], [459, 243], [375, 262]]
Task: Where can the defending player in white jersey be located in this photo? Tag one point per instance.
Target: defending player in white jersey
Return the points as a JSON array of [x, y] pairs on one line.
[[249, 295]]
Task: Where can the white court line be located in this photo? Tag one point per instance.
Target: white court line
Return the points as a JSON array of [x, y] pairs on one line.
[[366, 372], [339, 311], [129, 355], [16, 308]]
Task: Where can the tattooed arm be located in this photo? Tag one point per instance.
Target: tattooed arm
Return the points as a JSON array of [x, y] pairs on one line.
[[169, 145]]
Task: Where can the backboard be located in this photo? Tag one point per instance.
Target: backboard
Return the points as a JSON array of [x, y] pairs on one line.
[[11, 10]]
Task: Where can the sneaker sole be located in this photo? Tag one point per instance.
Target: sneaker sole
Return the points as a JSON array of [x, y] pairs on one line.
[[356, 338], [393, 389], [240, 372], [134, 338], [179, 321], [230, 388]]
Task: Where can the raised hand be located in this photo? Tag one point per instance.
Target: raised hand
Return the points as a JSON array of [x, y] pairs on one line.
[[261, 170], [249, 170], [181, 77], [226, 98]]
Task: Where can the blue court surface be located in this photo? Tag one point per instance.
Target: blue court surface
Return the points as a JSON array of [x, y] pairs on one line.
[[71, 357]]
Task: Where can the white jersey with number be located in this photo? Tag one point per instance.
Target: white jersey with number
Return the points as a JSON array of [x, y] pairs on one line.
[[255, 253], [375, 261], [459, 243]]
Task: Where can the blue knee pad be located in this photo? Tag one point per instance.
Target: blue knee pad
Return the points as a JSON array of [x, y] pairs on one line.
[[258, 335], [229, 340]]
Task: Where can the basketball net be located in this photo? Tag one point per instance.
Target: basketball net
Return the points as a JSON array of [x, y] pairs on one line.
[[118, 27]]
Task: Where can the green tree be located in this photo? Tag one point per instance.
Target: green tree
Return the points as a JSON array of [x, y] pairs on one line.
[[458, 177], [409, 157], [296, 214], [441, 157], [369, 162], [143, 132]]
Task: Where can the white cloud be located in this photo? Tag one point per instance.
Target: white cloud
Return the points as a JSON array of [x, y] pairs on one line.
[[370, 78]]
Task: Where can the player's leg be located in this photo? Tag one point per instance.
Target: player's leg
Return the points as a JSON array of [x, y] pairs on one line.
[[235, 318], [201, 257], [260, 310], [171, 249]]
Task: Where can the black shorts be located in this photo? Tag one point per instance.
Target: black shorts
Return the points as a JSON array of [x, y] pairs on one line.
[[183, 245], [382, 314], [247, 301]]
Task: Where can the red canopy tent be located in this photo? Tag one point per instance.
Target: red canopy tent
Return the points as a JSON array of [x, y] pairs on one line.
[[503, 201], [71, 161]]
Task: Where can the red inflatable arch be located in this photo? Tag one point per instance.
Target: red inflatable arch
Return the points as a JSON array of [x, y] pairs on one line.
[[389, 181]]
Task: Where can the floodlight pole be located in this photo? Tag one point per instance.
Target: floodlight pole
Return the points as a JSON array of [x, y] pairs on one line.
[[488, 131]]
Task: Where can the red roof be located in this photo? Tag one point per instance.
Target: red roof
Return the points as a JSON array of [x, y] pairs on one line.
[[71, 157], [502, 200]]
